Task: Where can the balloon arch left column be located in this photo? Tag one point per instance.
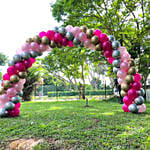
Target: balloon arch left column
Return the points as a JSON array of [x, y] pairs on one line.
[[124, 66]]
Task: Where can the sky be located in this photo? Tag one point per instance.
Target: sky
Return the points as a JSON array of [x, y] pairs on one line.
[[21, 19]]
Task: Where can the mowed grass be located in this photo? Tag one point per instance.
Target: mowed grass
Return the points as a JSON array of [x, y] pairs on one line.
[[103, 125]]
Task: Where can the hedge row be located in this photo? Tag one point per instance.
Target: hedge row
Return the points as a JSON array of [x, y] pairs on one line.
[[76, 93]]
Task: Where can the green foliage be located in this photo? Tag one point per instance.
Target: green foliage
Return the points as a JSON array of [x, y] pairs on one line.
[[3, 59], [103, 125], [76, 93]]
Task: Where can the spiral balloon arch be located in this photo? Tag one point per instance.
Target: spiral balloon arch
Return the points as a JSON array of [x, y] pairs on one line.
[[123, 65]]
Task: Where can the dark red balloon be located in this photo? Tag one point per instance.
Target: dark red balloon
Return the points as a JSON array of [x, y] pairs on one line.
[[58, 38], [50, 34], [107, 45], [64, 42]]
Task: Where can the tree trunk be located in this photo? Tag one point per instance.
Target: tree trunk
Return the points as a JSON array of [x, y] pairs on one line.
[[83, 80]]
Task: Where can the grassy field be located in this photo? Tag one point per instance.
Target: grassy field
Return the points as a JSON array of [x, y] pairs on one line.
[[70, 125]]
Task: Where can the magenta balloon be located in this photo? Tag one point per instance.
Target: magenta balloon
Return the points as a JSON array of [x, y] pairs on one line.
[[11, 92], [132, 93], [124, 66], [28, 63], [50, 34], [136, 85], [6, 77], [127, 100], [97, 32], [110, 60], [121, 74], [64, 41], [41, 34], [137, 77], [142, 108], [14, 112], [103, 38], [18, 105], [12, 70], [125, 108], [58, 38], [20, 66], [108, 53], [70, 44], [107, 46], [33, 60]]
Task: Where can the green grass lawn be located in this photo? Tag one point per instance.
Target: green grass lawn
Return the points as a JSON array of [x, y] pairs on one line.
[[103, 125]]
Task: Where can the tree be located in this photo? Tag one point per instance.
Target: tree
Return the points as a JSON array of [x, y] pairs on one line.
[[127, 20]]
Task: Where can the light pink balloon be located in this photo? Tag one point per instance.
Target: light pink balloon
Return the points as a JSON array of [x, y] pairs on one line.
[[82, 36], [35, 46], [19, 51], [125, 57], [4, 98], [69, 28], [142, 108], [122, 49], [124, 66], [43, 47], [120, 81], [92, 47], [11, 92], [25, 47], [87, 43], [76, 31], [121, 74]]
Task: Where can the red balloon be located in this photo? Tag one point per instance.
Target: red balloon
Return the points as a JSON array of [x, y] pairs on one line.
[[108, 53], [6, 76], [107, 45], [127, 100], [58, 37], [125, 108], [12, 70], [64, 42], [137, 77], [50, 34], [20, 66]]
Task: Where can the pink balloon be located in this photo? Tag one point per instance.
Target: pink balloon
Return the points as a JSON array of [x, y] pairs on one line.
[[41, 34], [142, 108], [121, 74], [108, 53], [110, 60], [107, 46], [82, 37], [132, 94], [122, 49], [69, 28], [12, 70], [26, 47], [103, 38], [20, 66], [11, 92], [92, 47], [43, 48], [125, 108], [127, 100], [6, 77], [50, 34], [70, 44], [137, 77], [58, 38], [125, 56], [124, 66], [76, 31], [4, 98], [136, 85], [120, 81], [18, 87]]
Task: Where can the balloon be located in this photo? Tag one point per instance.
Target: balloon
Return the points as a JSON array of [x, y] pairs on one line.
[[17, 58], [110, 60], [42, 34], [9, 106], [122, 49], [116, 54], [137, 77], [11, 92], [115, 70], [82, 37], [64, 41], [125, 56], [125, 108], [28, 63], [25, 47], [16, 99], [124, 66], [76, 41], [18, 105], [132, 93], [50, 34], [139, 100], [98, 32], [120, 81], [62, 30], [42, 48], [87, 43], [95, 40], [14, 112], [6, 77], [58, 37], [76, 31], [3, 112], [69, 28], [127, 100], [136, 85], [34, 46], [142, 108], [116, 63], [103, 38], [20, 66], [4, 98], [115, 44], [12, 70], [121, 74], [107, 46], [108, 54], [133, 108], [111, 38]]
